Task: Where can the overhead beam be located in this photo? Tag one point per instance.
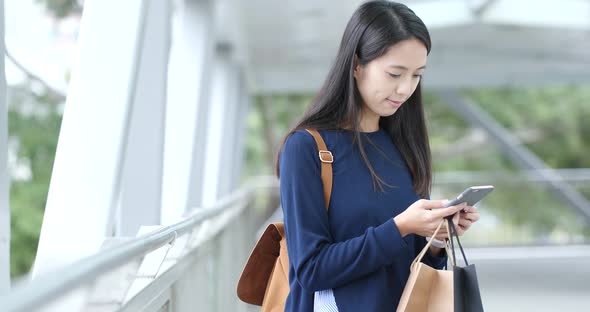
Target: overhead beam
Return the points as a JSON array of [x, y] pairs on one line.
[[568, 15]]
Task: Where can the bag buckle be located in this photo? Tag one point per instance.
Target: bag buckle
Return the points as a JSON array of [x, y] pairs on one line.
[[326, 157]]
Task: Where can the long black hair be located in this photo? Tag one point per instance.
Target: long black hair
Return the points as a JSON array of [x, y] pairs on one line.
[[373, 28]]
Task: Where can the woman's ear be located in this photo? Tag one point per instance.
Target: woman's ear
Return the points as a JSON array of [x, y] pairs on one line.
[[357, 67]]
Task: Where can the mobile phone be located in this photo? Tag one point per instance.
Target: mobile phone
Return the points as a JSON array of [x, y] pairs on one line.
[[471, 195]]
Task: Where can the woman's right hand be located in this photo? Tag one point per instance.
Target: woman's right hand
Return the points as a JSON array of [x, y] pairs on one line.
[[424, 216]]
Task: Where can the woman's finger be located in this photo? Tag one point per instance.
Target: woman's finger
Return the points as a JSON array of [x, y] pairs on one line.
[[443, 212], [471, 209], [456, 222], [473, 217], [465, 224], [460, 230]]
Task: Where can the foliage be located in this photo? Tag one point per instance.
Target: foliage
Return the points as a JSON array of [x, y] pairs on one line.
[[62, 8], [34, 123], [564, 143], [562, 114], [445, 128], [284, 111]]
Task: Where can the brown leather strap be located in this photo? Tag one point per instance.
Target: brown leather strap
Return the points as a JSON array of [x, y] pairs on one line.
[[326, 160]]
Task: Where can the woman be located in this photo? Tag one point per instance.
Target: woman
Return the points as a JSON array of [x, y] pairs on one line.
[[356, 255]]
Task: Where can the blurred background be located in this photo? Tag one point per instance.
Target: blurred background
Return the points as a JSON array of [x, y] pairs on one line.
[[507, 103]]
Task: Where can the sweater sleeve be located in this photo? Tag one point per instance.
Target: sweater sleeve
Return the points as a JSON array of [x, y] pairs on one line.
[[437, 262], [318, 262]]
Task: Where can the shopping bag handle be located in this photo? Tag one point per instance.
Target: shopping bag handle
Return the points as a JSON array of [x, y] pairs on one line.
[[422, 253], [450, 255], [455, 235]]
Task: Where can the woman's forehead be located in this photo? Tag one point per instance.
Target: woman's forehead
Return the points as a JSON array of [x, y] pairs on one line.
[[409, 54]]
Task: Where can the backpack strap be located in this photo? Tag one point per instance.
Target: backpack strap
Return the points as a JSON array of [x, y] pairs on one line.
[[326, 160]]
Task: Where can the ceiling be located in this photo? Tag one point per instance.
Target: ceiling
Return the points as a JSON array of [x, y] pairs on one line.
[[289, 45]]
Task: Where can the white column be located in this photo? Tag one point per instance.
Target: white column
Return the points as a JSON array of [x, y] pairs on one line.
[[221, 138], [234, 127], [4, 203], [187, 108], [90, 152], [240, 134], [141, 187]]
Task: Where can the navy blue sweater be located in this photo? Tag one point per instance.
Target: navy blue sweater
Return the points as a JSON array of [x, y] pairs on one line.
[[355, 248]]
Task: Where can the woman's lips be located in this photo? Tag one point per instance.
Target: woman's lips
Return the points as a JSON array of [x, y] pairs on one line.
[[394, 104]]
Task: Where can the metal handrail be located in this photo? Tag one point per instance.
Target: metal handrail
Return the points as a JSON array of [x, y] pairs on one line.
[[570, 175], [44, 289]]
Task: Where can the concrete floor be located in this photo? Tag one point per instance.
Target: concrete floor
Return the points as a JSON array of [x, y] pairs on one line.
[[534, 278]]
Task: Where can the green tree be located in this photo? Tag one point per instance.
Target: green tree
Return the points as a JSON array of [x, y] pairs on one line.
[[554, 115], [62, 8], [33, 122]]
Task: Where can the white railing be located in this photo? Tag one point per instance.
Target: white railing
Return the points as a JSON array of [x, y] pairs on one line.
[[188, 266], [194, 265]]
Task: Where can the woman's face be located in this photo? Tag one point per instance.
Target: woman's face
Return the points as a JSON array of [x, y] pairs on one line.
[[388, 81]]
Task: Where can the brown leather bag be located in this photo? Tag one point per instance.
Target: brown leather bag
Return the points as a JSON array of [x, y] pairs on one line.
[[265, 278]]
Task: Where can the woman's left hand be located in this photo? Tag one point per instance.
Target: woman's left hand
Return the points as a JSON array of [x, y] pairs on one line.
[[463, 221], [465, 218]]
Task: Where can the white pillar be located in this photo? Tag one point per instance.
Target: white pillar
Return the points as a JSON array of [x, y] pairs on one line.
[[86, 174], [187, 108], [221, 137], [234, 131], [240, 134], [141, 187], [4, 196]]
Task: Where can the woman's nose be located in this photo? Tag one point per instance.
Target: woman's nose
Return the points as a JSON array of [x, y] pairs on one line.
[[404, 87]]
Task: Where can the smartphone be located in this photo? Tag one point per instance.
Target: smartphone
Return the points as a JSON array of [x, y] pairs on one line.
[[471, 195]]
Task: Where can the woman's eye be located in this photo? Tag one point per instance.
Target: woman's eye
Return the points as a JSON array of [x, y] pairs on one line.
[[417, 76], [394, 75]]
